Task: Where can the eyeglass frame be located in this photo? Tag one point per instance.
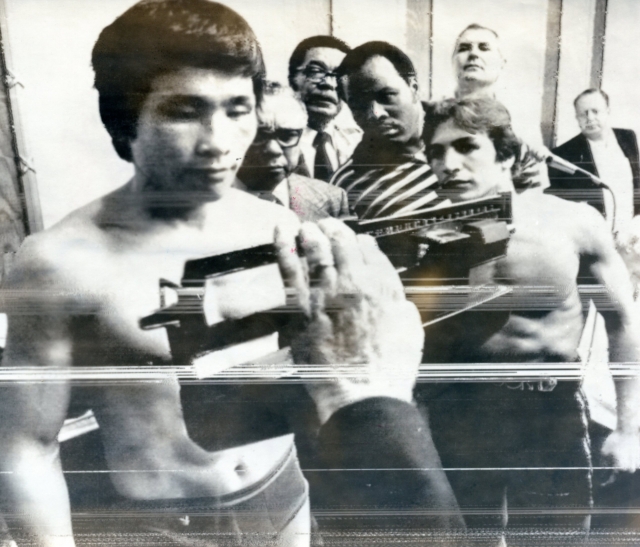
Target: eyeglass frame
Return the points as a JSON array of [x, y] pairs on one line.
[[318, 70], [272, 135]]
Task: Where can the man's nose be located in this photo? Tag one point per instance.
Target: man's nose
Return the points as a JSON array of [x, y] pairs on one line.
[[214, 135], [272, 148], [377, 111], [451, 161], [330, 81]]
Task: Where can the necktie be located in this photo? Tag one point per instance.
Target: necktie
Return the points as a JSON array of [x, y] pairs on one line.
[[322, 168]]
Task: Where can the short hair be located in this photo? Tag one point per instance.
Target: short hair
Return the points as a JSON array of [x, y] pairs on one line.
[[358, 56], [158, 36], [275, 89], [591, 91], [300, 52], [479, 115], [476, 26]]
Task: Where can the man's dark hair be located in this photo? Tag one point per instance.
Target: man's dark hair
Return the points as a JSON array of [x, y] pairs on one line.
[[298, 55], [480, 115], [591, 91], [358, 56], [158, 36]]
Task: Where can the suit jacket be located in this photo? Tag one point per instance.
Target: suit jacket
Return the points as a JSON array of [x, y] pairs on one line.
[[313, 200], [579, 187]]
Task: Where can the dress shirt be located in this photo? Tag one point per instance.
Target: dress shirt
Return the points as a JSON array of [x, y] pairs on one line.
[[614, 169]]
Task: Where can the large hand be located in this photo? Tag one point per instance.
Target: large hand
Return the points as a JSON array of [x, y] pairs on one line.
[[623, 450], [359, 319]]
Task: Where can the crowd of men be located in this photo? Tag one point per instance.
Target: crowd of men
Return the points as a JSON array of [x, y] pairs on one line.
[[225, 161]]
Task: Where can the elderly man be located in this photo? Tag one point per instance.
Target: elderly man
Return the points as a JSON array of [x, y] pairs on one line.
[[478, 63], [330, 136], [388, 173], [608, 153], [497, 439], [267, 169], [178, 82]]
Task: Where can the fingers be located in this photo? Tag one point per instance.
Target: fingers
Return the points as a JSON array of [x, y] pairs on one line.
[[381, 267], [345, 246], [291, 268], [320, 258]]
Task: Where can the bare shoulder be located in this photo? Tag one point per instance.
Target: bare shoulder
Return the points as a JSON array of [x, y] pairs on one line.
[[55, 257], [579, 221]]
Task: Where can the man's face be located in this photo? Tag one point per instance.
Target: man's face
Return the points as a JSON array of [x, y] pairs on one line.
[[384, 105], [477, 57], [193, 131], [465, 163], [592, 114], [275, 152], [318, 91]]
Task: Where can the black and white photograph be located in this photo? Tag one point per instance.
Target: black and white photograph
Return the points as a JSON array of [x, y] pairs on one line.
[[319, 273]]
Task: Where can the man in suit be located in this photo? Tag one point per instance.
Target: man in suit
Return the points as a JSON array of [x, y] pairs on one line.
[[331, 134], [267, 170], [609, 153]]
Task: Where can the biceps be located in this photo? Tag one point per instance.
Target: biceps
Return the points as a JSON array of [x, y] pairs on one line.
[[34, 403]]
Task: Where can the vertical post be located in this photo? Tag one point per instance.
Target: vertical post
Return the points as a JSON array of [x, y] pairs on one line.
[[551, 71], [599, 33], [420, 42], [18, 188]]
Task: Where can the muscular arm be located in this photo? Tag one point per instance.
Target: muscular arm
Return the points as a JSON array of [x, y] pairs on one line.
[[31, 414], [623, 330]]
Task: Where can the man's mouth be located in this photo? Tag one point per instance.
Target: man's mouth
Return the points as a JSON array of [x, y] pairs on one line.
[[470, 66], [388, 130], [323, 100], [455, 184], [215, 174]]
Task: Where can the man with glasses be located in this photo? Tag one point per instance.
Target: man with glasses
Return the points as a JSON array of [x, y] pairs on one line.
[[330, 136], [267, 170]]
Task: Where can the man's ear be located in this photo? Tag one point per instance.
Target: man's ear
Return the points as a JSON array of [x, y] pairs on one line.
[[415, 89], [507, 164]]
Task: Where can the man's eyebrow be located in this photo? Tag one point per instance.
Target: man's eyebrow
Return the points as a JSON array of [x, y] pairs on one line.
[[317, 63], [242, 100]]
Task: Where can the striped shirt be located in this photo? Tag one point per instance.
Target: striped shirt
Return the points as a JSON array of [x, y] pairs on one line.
[[388, 189]]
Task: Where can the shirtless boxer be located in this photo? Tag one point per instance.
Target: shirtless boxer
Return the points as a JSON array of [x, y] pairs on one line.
[[472, 150], [178, 82]]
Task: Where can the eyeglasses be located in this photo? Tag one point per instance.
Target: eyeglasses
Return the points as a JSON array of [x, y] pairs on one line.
[[317, 74], [286, 138]]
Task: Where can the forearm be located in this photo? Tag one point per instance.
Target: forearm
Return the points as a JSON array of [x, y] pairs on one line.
[[381, 454], [36, 491], [624, 349]]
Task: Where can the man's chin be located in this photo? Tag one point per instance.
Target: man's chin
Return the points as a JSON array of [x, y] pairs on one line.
[[323, 111]]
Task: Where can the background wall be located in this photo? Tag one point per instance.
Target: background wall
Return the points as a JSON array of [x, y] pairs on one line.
[[554, 50]]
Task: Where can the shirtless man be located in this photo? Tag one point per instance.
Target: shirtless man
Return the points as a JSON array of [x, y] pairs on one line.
[[178, 82], [472, 150]]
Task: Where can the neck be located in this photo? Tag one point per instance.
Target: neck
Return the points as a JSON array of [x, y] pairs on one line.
[[473, 89], [155, 205], [600, 137], [318, 123], [258, 183]]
